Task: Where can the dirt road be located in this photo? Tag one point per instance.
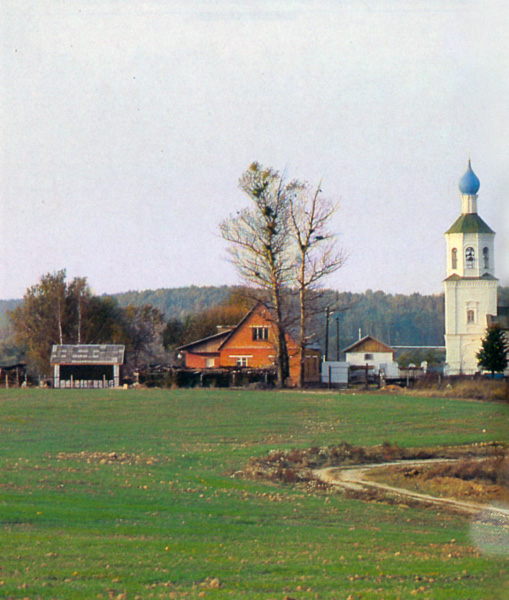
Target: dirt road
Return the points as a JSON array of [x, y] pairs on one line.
[[354, 478]]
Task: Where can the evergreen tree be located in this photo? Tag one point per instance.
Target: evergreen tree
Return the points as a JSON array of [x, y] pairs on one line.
[[493, 353]]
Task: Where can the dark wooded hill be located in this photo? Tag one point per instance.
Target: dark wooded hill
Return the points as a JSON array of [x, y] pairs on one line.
[[396, 319]]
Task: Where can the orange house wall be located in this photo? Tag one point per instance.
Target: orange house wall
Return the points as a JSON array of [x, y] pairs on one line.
[[199, 361], [259, 353], [262, 353]]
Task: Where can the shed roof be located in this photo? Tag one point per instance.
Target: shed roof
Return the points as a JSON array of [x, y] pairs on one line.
[[216, 338], [370, 344], [87, 354]]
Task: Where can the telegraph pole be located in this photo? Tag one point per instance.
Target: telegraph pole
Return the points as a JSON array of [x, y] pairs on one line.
[[327, 315]]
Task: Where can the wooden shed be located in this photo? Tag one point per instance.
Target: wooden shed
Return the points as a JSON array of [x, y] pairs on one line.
[[12, 374], [87, 365]]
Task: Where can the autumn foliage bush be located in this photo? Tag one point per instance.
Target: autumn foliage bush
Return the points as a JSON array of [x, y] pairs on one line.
[[479, 388]]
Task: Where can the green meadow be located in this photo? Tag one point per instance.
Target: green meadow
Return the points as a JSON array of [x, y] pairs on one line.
[[129, 495]]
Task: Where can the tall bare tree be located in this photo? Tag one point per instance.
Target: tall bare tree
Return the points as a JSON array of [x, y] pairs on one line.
[[282, 245], [316, 254], [260, 248], [79, 297]]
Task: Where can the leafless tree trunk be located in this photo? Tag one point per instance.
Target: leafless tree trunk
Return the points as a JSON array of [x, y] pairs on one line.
[[317, 256], [59, 320], [79, 294], [260, 248], [283, 244]]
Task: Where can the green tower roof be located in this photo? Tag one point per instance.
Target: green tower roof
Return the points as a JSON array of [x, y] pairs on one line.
[[469, 223]]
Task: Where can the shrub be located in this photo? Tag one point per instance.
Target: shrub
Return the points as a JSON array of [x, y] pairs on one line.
[[478, 388]]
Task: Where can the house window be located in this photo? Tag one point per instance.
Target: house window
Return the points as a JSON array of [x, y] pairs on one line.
[[260, 333], [486, 257], [454, 258], [209, 362], [469, 257], [368, 356], [470, 315], [241, 361]]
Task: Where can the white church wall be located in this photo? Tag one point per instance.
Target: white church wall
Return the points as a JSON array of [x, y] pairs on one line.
[[469, 295]]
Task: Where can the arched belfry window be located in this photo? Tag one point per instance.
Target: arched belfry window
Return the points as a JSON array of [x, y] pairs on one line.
[[472, 311], [486, 257], [469, 257], [454, 258]]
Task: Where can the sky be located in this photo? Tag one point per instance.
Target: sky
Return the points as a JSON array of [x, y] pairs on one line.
[[126, 125]]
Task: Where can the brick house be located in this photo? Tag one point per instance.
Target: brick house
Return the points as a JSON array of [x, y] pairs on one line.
[[250, 344]]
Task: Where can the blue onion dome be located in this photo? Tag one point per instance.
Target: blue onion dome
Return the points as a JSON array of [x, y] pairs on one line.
[[469, 183]]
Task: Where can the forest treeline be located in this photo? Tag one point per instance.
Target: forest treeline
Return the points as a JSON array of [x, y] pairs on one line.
[[397, 319]]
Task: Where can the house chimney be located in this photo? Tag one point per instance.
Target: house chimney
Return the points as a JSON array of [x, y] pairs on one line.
[[360, 333]]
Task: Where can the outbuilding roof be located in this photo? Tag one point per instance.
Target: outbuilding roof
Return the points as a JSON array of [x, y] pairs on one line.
[[87, 354], [368, 343], [215, 339]]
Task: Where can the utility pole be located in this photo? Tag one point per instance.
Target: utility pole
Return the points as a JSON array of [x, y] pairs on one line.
[[337, 338], [327, 315]]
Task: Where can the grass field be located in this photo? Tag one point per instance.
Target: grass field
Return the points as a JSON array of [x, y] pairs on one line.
[[129, 494]]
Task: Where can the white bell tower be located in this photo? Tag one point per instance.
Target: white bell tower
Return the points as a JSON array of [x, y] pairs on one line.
[[471, 285]]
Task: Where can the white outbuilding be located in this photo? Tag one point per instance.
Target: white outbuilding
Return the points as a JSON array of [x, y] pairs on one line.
[[370, 353]]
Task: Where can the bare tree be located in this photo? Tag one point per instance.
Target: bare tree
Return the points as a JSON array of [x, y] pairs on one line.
[[316, 254], [282, 246], [79, 295], [260, 248]]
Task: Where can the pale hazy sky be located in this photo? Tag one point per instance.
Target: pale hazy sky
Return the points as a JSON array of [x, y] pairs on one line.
[[125, 126]]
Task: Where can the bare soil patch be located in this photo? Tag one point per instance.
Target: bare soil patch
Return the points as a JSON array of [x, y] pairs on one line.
[[479, 474], [107, 458], [481, 481], [297, 464]]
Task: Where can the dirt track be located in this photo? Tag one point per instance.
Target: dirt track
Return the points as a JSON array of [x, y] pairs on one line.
[[353, 478]]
